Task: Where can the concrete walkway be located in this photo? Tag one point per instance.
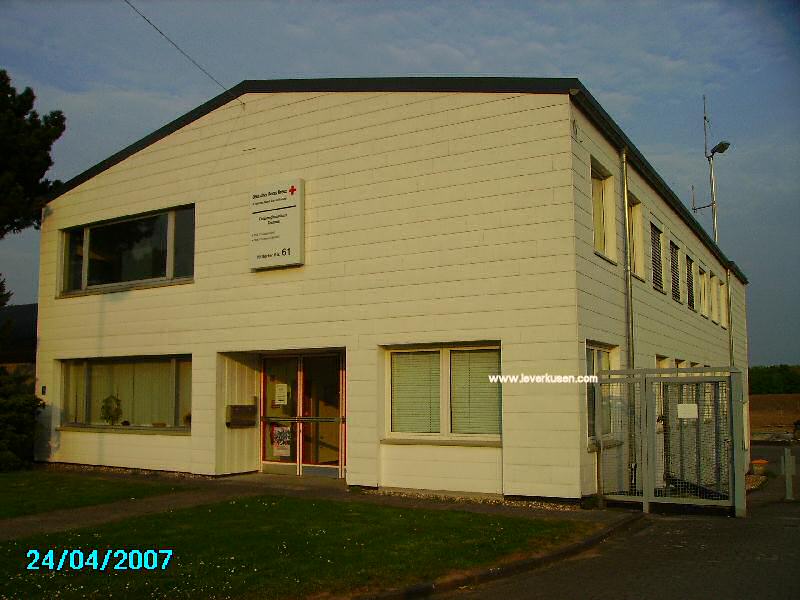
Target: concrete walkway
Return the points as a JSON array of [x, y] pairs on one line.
[[209, 491]]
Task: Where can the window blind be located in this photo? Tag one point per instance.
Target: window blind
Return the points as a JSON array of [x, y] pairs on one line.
[[415, 392], [655, 239], [475, 403], [676, 272], [690, 282]]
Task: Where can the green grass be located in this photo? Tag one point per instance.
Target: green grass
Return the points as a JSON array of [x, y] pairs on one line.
[[279, 547], [38, 491]]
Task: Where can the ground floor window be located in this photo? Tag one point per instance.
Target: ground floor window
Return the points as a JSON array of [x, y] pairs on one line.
[[129, 392], [445, 391], [597, 359]]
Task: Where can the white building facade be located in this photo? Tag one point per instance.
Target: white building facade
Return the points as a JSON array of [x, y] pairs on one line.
[[440, 231]]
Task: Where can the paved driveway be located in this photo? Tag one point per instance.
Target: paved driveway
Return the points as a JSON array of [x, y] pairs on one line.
[[678, 557]]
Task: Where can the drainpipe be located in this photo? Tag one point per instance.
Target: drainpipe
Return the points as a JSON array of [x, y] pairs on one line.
[[632, 466], [628, 261]]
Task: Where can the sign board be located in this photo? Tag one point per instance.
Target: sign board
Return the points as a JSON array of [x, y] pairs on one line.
[[687, 411], [277, 225], [281, 394]]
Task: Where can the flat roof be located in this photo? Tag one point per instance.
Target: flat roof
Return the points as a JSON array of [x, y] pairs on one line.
[[521, 85]]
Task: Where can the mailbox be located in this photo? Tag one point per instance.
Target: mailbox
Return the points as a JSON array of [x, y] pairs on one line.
[[238, 416]]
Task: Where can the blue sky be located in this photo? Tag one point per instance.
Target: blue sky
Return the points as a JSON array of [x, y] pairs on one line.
[[648, 63]]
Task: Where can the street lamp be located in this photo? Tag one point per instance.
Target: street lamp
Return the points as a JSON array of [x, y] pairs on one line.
[[718, 149]]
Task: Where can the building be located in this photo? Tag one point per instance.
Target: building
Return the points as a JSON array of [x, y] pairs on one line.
[[318, 276], [18, 337]]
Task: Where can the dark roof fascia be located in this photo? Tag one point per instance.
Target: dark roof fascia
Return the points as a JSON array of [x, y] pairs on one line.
[[614, 133], [498, 85]]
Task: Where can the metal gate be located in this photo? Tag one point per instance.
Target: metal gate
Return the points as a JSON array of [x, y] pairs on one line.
[[670, 436]]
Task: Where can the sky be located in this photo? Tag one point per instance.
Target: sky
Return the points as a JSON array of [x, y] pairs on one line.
[[647, 63]]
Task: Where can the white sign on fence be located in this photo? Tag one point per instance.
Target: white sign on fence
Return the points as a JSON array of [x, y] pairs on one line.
[[277, 225]]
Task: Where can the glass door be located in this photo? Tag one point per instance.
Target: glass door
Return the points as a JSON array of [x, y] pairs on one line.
[[279, 425], [302, 408], [320, 416]]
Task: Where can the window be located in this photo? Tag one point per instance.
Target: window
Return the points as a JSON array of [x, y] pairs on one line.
[[635, 224], [723, 304], [703, 287], [658, 264], [713, 293], [675, 270], [130, 392], [445, 391], [690, 283], [603, 211], [597, 359], [156, 247]]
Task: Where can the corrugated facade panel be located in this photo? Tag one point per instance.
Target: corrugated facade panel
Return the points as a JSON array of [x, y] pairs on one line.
[[430, 217], [662, 325]]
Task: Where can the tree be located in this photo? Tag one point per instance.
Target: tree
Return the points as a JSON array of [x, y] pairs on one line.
[[25, 143]]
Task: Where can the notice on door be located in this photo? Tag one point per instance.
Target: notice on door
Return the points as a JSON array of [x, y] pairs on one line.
[[277, 224], [281, 394]]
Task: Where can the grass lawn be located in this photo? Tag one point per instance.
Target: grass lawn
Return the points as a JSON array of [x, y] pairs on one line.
[[279, 547], [37, 491]]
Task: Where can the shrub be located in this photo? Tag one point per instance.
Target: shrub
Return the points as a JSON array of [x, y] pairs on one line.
[[19, 407]]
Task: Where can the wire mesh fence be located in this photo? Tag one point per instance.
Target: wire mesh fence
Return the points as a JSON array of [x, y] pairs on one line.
[[665, 435]]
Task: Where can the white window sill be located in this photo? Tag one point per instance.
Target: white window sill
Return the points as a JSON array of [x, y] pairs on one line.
[[606, 258], [482, 441], [639, 277], [123, 287], [131, 429]]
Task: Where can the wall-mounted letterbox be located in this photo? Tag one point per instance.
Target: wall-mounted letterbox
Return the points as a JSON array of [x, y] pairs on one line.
[[240, 415]]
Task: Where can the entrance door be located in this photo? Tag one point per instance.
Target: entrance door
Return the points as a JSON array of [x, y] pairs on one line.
[[302, 424]]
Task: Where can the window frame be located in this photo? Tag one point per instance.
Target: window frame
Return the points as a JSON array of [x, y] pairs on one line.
[[597, 172], [723, 304], [658, 286], [445, 436], [691, 296], [169, 277], [612, 352], [635, 222], [676, 291], [702, 276], [173, 359], [713, 286]]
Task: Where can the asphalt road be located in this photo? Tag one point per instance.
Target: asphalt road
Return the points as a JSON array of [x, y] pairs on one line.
[[678, 557]]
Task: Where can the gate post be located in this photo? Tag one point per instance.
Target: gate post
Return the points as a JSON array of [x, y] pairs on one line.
[[598, 416], [647, 441], [739, 468]]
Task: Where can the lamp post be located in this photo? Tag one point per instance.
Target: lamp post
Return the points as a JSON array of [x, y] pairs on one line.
[[718, 149]]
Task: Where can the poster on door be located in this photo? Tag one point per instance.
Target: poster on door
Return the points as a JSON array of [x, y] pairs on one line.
[[281, 439]]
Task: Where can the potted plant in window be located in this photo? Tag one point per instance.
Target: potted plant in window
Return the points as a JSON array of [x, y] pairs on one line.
[[111, 409]]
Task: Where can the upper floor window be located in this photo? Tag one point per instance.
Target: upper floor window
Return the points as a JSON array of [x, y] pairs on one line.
[[635, 224], [603, 211], [723, 304], [148, 248], [690, 282], [713, 293], [658, 264], [675, 270], [703, 288]]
